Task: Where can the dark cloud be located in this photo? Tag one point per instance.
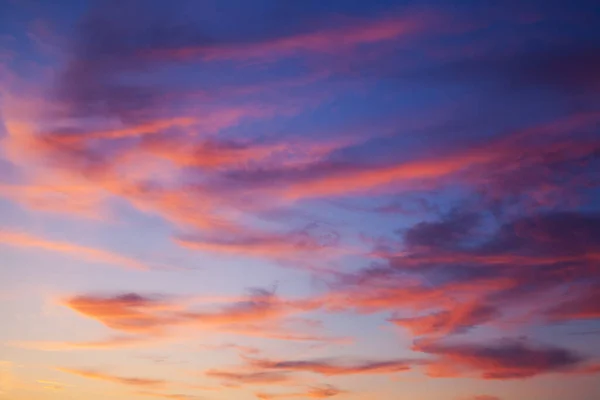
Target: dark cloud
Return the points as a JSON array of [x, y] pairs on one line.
[[440, 286], [565, 68], [508, 359], [336, 367], [448, 232], [553, 233]]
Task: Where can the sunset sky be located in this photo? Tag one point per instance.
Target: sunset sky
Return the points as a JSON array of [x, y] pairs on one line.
[[311, 199]]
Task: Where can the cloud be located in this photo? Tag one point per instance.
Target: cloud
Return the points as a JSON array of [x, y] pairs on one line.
[[52, 385], [484, 397], [20, 239], [93, 374], [211, 154], [252, 378], [147, 320], [146, 128], [324, 41], [241, 350], [114, 342], [449, 231], [262, 371], [507, 359], [442, 284], [177, 117], [171, 396], [285, 246], [489, 168], [360, 179], [568, 68], [335, 367], [454, 320], [322, 392], [8, 379], [130, 313], [583, 303], [62, 198]]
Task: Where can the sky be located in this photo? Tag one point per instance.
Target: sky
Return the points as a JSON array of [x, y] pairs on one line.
[[272, 200]]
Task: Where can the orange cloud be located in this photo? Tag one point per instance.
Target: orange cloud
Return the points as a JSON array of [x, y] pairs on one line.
[[92, 374], [151, 319], [313, 393], [129, 313], [252, 378], [171, 396], [73, 199], [52, 385], [20, 239], [115, 342]]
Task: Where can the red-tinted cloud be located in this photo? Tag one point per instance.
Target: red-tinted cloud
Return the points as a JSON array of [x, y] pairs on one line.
[[583, 303], [442, 283], [458, 318]]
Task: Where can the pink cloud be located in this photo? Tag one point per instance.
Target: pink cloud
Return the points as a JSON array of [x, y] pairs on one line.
[[25, 240], [325, 41]]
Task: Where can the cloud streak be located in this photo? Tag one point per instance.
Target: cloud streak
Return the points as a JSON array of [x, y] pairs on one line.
[[503, 360], [24, 240], [128, 381]]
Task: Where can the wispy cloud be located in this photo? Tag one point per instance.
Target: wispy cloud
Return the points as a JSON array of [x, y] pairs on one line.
[[171, 396], [150, 320], [322, 392], [336, 367], [20, 239], [334, 40], [114, 342], [509, 359], [128, 381], [260, 371]]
